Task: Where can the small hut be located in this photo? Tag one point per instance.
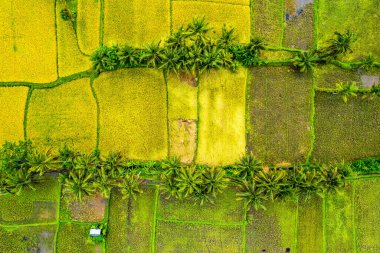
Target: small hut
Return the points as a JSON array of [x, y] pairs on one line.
[[95, 232]]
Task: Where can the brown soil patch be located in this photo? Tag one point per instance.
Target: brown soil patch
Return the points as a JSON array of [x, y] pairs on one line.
[[89, 209], [188, 78], [44, 211], [183, 136]]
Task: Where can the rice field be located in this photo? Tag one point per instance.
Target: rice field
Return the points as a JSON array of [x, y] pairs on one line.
[[342, 222], [49, 94]]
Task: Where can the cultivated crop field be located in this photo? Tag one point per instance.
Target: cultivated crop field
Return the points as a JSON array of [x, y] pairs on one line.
[[284, 110]]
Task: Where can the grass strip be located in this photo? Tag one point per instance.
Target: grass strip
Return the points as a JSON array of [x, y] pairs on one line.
[[312, 119], [26, 112], [282, 23], [244, 230], [324, 243], [58, 214], [101, 33], [153, 233], [353, 216], [97, 113], [28, 225], [316, 23]]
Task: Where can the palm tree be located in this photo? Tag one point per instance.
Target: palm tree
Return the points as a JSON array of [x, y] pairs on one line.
[[252, 195], [212, 59], [169, 60], [373, 92], [151, 55], [271, 181], [114, 164], [340, 45], [311, 184], [88, 162], [331, 180], [128, 56], [169, 186], [104, 182], [247, 167], [130, 185], [66, 156], [78, 183], [227, 38], [305, 61], [20, 180], [214, 180], [189, 181], [41, 163], [348, 89]]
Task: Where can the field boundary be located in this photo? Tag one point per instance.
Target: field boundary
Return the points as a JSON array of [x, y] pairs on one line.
[[324, 239], [244, 230], [316, 23], [101, 28], [97, 113], [26, 110], [353, 200], [168, 142], [198, 83], [312, 118], [58, 214], [282, 35], [154, 226]]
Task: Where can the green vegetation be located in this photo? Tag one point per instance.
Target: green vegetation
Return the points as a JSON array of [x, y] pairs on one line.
[[367, 193], [188, 88], [75, 124], [27, 239], [74, 238], [279, 109], [340, 128]]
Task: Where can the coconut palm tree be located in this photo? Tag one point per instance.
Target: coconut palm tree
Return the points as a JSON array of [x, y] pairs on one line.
[[305, 61], [104, 182], [169, 187], [128, 56], [331, 179], [271, 181], [130, 185], [114, 164], [346, 90], [151, 55], [66, 156], [42, 162], [227, 38], [247, 167], [189, 181], [252, 195], [169, 60], [340, 45], [20, 180], [78, 183], [214, 180]]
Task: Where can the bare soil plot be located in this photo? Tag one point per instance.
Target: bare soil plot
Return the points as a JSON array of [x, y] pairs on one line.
[[90, 209], [182, 112], [299, 24]]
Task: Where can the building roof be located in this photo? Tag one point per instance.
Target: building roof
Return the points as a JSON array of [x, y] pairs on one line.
[[95, 231]]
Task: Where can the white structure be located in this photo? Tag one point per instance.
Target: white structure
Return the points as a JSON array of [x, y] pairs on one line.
[[95, 232]]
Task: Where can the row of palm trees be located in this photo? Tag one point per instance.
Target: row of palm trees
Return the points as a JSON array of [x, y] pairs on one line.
[[22, 167], [192, 49], [351, 89]]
